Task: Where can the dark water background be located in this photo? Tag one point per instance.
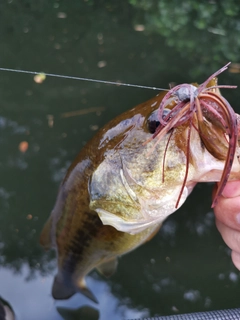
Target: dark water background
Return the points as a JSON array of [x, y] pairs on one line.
[[186, 267]]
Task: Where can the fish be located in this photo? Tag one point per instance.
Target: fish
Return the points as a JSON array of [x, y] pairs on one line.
[[136, 171]]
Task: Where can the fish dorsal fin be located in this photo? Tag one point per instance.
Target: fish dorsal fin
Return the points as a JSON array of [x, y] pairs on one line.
[[108, 268], [45, 237]]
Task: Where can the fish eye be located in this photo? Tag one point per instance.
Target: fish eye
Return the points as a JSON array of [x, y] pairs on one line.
[[153, 121]]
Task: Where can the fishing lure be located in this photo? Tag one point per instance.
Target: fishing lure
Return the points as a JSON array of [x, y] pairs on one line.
[[205, 104]]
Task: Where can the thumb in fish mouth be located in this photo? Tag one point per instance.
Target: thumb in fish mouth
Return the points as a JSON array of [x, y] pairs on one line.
[[231, 190], [227, 209]]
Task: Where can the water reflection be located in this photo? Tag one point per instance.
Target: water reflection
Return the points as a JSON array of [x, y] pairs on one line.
[[28, 299], [85, 312]]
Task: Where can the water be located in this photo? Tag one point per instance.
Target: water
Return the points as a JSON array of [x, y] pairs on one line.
[[186, 267]]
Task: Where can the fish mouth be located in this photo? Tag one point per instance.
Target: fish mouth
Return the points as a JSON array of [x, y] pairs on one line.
[[205, 110]]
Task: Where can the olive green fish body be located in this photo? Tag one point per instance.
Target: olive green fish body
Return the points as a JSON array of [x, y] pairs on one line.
[[123, 185]]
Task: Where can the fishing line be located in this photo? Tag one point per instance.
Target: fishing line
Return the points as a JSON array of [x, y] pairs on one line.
[[83, 79]]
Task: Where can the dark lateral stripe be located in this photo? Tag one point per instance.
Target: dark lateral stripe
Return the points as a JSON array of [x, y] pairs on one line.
[[81, 241]]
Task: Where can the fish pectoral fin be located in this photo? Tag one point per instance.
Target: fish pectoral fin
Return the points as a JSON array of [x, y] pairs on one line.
[[82, 288], [60, 291], [45, 237], [108, 268]]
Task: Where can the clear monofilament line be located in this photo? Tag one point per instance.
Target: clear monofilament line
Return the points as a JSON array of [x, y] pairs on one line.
[[83, 79]]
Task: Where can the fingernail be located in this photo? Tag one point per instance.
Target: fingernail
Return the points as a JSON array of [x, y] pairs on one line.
[[231, 190], [238, 218]]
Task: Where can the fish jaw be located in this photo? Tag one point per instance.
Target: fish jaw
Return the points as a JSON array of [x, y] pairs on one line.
[[156, 210], [153, 212]]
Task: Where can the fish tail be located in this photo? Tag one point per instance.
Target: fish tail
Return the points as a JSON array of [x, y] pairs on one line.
[[82, 287], [62, 290]]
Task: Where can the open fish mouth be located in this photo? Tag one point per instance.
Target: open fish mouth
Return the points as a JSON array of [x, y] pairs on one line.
[[206, 111]]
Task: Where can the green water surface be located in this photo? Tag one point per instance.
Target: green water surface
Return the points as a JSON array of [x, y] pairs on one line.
[[186, 267]]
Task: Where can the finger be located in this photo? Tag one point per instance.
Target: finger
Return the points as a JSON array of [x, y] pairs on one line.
[[232, 189], [227, 211], [231, 237], [236, 259]]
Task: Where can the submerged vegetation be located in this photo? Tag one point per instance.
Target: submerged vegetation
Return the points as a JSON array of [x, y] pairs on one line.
[[190, 26]]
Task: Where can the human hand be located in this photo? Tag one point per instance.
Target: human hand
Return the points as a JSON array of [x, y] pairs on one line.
[[227, 212]]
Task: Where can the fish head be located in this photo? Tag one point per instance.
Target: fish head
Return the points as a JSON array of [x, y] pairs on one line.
[[142, 178]]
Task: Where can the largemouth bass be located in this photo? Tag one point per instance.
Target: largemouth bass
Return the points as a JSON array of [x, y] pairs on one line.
[[134, 173]]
